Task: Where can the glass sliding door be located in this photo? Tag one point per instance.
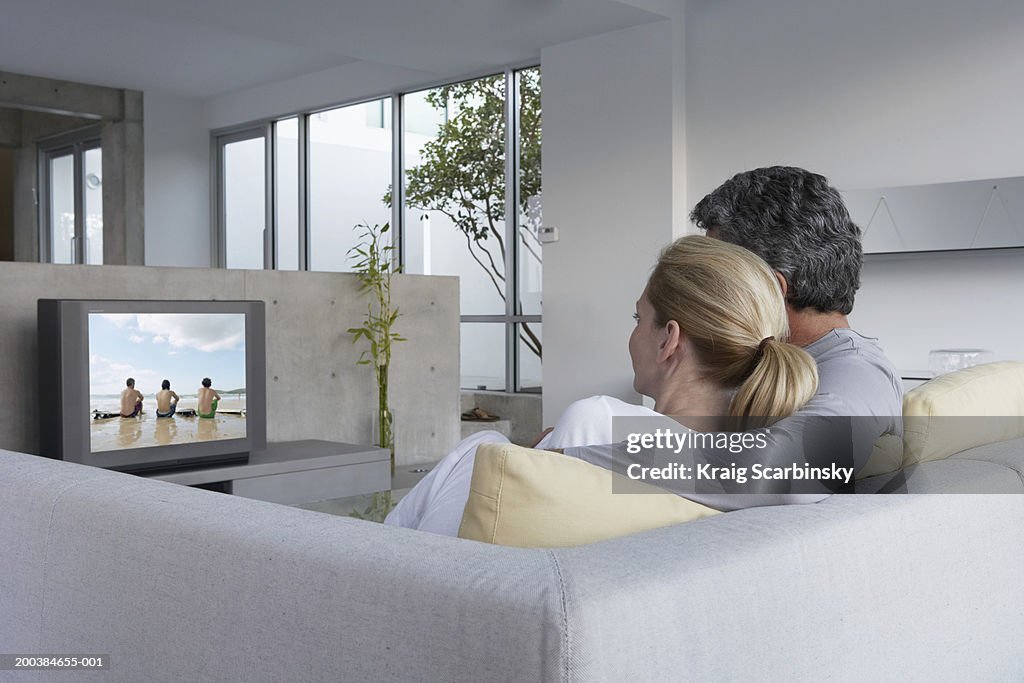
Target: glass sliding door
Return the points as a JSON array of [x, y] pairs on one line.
[[529, 198], [472, 208], [349, 179], [287, 146], [242, 199], [482, 356], [454, 144], [63, 239], [72, 202], [93, 205]]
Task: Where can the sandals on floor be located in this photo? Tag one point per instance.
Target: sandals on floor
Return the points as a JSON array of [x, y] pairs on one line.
[[479, 415]]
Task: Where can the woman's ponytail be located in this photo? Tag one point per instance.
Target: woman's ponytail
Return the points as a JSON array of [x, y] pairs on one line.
[[729, 304], [782, 378]]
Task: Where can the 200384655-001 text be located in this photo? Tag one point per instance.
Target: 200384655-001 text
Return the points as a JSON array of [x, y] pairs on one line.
[[38, 662]]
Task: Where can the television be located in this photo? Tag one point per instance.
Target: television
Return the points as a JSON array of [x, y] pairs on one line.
[[111, 370]]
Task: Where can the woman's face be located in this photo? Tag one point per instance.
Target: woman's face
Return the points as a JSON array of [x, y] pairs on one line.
[[643, 348]]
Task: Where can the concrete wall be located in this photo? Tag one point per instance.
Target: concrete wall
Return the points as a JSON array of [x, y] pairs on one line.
[[6, 204], [873, 94], [315, 390], [54, 106], [124, 174], [521, 412], [608, 186]]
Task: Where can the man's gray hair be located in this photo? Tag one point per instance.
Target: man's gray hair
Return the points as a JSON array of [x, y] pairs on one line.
[[798, 223]]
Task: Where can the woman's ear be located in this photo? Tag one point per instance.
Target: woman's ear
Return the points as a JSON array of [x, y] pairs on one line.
[[671, 339]]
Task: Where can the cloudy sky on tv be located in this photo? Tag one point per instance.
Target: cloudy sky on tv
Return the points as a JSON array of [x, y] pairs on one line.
[[152, 347]]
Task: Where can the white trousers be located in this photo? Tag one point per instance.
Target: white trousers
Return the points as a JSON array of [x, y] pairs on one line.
[[436, 503]]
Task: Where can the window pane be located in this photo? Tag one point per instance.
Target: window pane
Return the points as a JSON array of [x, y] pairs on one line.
[[455, 189], [62, 209], [422, 115], [93, 159], [483, 356], [287, 188], [529, 338], [349, 177], [244, 203], [529, 192]]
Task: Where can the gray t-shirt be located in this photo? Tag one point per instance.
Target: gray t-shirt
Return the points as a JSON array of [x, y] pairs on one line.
[[855, 380]]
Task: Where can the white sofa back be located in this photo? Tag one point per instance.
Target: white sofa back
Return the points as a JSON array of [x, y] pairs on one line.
[[181, 584]]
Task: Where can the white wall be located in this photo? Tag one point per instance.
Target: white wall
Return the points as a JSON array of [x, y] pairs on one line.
[[177, 169], [873, 94], [608, 187]]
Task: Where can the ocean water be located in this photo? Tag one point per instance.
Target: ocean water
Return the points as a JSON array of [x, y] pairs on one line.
[[111, 403]]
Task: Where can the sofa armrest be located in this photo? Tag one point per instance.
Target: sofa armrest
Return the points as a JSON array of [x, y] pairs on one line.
[[181, 584]]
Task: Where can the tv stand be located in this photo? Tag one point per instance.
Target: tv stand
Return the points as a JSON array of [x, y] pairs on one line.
[[292, 472]]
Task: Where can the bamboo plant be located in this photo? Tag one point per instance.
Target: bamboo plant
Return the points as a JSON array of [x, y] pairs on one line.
[[374, 265]]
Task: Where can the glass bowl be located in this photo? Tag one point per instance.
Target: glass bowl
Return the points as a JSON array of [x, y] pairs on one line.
[[941, 361]]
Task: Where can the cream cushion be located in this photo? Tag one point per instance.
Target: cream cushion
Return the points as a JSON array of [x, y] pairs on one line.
[[886, 456], [940, 417], [540, 499]]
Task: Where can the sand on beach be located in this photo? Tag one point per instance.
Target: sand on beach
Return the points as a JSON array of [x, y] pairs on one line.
[[148, 430]]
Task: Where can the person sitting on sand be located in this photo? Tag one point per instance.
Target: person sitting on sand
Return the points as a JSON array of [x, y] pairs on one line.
[[166, 400], [208, 399], [131, 400]]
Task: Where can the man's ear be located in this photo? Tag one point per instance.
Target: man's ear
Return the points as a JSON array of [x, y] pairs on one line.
[[671, 340], [782, 283]]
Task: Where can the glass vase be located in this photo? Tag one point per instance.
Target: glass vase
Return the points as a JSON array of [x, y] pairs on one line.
[[385, 433]]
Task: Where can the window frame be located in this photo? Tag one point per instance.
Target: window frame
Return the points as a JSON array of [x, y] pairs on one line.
[[511, 318]]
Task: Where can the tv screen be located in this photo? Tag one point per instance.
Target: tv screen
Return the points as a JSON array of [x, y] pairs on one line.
[[149, 371], [146, 385]]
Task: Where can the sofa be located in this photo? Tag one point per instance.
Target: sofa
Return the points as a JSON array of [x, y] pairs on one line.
[[180, 584]]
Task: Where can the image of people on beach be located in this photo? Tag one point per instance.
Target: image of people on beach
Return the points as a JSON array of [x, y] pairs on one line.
[[165, 378]]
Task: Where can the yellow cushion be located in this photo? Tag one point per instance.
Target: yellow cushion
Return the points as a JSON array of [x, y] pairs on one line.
[[886, 457], [539, 499], [936, 414]]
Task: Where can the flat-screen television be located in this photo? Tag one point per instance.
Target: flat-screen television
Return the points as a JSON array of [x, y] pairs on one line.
[[151, 385]]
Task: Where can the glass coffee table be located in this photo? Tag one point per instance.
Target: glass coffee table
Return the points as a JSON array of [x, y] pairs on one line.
[[373, 506]]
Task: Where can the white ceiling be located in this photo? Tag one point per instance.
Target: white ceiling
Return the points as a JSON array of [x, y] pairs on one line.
[[204, 48]]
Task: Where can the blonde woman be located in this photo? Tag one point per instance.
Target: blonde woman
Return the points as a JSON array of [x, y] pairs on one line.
[[710, 340]]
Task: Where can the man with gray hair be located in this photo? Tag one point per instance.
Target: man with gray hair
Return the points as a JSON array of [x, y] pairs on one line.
[[798, 223]]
